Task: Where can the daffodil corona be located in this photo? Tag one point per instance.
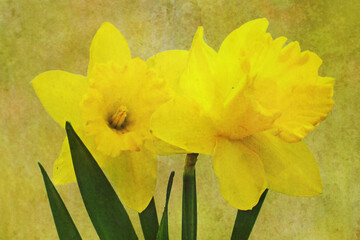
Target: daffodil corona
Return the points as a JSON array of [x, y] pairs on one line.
[[249, 105], [110, 110]]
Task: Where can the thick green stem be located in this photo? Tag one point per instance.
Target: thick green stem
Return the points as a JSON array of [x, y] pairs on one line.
[[189, 204]]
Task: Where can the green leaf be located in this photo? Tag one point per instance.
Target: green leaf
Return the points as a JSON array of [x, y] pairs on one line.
[[65, 226], [102, 204], [245, 220], [189, 207], [149, 221], [163, 233]]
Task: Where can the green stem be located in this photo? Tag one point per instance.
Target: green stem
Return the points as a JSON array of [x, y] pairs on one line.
[[189, 208]]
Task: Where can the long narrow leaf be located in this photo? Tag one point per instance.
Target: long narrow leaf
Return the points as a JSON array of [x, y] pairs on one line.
[[163, 233], [189, 204], [102, 204], [65, 226], [149, 221], [245, 220]]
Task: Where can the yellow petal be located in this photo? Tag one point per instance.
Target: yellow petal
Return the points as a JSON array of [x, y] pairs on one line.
[[61, 93], [63, 171], [279, 79], [108, 45], [197, 81], [169, 65], [244, 36], [288, 81], [159, 147], [240, 172], [303, 108], [181, 123], [290, 167], [134, 175], [242, 116], [239, 51]]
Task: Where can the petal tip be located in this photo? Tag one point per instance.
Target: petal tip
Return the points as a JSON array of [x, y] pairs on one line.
[[262, 20], [140, 208], [261, 23], [107, 28], [199, 35], [107, 25], [318, 188]]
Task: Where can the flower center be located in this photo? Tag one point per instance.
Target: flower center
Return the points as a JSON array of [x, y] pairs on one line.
[[117, 120]]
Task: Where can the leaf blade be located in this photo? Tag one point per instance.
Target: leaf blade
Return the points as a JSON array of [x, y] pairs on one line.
[[245, 220], [64, 224], [149, 221], [163, 233], [104, 208]]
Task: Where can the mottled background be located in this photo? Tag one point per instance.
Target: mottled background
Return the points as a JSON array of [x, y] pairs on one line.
[[36, 36]]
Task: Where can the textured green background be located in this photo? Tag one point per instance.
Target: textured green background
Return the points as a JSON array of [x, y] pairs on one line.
[[37, 36]]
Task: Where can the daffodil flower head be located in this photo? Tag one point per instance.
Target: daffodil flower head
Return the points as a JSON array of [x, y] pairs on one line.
[[118, 105], [110, 109], [249, 105]]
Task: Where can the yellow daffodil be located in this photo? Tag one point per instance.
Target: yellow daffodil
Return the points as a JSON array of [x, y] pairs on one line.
[[249, 105], [110, 109]]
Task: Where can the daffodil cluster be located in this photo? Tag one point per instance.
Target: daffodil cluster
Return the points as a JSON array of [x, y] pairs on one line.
[[248, 105]]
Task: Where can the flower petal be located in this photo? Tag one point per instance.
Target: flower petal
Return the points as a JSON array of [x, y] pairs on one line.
[[239, 50], [303, 108], [169, 65], [243, 116], [159, 147], [134, 176], [240, 38], [63, 171], [280, 79], [181, 123], [61, 93], [197, 81], [108, 45], [290, 167], [240, 172]]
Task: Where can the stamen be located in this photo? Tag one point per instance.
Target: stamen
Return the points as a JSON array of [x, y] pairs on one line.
[[118, 118]]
